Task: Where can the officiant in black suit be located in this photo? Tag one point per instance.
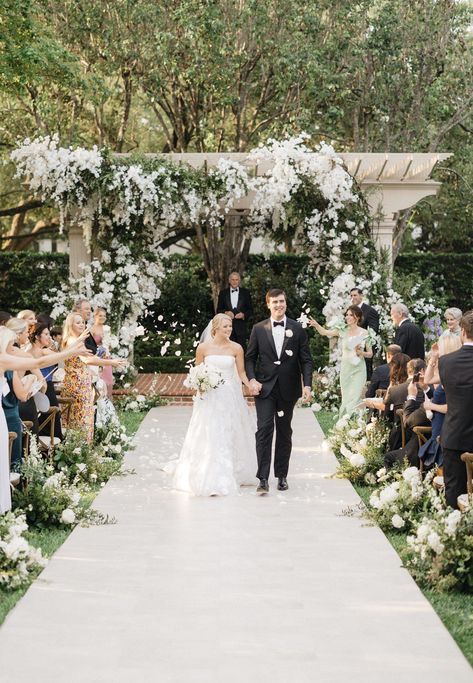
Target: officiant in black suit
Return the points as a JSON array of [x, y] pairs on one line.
[[370, 320], [456, 376], [278, 363], [235, 301]]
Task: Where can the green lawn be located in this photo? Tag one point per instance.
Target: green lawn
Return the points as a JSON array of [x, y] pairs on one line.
[[49, 540], [455, 609]]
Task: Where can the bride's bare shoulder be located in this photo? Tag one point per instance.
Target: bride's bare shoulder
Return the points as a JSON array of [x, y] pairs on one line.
[[236, 348]]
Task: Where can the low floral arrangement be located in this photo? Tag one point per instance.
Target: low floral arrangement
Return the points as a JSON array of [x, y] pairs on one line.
[[18, 559], [440, 549], [203, 378], [360, 445], [402, 498], [138, 403]]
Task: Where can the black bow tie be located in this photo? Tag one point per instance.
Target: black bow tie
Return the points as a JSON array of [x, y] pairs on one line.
[[234, 290], [275, 324]]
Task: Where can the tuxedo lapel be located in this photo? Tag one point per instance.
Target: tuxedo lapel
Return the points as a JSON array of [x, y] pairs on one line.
[[269, 335]]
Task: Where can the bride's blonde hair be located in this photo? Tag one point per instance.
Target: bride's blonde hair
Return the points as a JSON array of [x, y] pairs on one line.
[[217, 321]]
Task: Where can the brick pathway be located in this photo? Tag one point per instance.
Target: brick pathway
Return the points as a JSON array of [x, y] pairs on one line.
[[169, 386]]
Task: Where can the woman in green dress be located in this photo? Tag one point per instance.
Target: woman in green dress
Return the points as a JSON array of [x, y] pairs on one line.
[[355, 348]]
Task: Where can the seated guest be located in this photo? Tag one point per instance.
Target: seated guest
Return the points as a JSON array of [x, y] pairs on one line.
[[456, 376], [40, 339], [78, 380], [408, 336], [452, 318], [381, 375], [397, 389], [431, 452], [19, 391], [4, 317], [414, 415]]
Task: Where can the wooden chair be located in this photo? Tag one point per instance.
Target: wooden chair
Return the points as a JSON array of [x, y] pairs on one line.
[[27, 427], [14, 477], [400, 413], [423, 434], [380, 393], [465, 500], [65, 404], [48, 443]]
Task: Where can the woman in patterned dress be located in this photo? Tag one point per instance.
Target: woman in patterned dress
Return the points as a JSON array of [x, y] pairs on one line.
[[78, 379]]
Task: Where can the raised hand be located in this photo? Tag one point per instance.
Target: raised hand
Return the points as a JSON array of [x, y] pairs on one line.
[[255, 387]]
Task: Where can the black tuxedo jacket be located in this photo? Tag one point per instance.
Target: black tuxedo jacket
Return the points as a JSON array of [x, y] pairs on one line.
[[379, 380], [456, 375], [370, 317], [411, 340], [244, 305], [295, 361], [91, 344]]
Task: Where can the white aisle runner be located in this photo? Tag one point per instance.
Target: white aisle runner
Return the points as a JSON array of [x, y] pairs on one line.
[[227, 590]]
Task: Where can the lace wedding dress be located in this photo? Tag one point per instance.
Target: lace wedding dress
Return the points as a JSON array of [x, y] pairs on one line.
[[219, 452]]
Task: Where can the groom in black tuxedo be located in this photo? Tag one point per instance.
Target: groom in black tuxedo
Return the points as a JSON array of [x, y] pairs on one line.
[[235, 301], [278, 357]]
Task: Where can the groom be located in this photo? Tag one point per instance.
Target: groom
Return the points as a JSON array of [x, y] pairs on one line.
[[278, 354]]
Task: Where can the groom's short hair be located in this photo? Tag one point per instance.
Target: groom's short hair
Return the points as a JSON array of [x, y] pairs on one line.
[[272, 293]]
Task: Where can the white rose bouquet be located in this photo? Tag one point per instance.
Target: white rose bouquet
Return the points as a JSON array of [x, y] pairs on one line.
[[203, 378]]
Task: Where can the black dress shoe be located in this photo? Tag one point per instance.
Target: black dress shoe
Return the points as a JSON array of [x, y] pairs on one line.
[[263, 487], [282, 484]]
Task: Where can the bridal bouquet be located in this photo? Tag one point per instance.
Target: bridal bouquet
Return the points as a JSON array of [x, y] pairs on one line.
[[203, 378]]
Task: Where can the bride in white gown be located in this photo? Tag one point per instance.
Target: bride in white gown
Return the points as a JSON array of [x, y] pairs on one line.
[[219, 454]]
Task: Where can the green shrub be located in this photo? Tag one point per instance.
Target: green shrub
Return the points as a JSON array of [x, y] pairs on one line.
[[25, 276]]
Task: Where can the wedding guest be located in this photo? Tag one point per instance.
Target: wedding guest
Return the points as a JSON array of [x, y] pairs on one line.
[[456, 376], [99, 330], [408, 336], [41, 345], [18, 391], [431, 452], [355, 348], [370, 320], [396, 393], [381, 375], [78, 380], [4, 317], [235, 301], [46, 319], [56, 337], [83, 307], [28, 316], [452, 318]]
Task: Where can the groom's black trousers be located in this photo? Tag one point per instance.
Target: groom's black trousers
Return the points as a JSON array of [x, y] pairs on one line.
[[267, 410]]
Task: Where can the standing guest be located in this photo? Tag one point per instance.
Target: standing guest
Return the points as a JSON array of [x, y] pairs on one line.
[[235, 301], [28, 316], [84, 309], [408, 336], [98, 331], [56, 337], [41, 345], [46, 319], [352, 369], [452, 318], [456, 376], [4, 317], [380, 376], [370, 320], [78, 380]]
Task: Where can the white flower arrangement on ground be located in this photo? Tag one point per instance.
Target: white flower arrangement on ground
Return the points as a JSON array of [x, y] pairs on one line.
[[401, 498], [203, 378], [19, 560], [360, 446], [440, 549]]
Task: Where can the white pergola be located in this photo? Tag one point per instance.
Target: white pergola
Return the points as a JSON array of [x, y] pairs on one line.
[[392, 182]]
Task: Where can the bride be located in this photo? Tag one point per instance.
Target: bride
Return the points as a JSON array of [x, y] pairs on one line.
[[219, 452]]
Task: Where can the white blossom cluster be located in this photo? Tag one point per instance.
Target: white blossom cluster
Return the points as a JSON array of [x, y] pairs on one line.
[[18, 559]]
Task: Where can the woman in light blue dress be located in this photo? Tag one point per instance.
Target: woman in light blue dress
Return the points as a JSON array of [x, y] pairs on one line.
[[355, 348]]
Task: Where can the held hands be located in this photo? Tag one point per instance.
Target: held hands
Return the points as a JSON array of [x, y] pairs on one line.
[[239, 316], [255, 387], [359, 351], [230, 314]]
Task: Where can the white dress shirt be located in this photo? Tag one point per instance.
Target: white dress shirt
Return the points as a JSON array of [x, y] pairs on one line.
[[234, 297], [278, 334]]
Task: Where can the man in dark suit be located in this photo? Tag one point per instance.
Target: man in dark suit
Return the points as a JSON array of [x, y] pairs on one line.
[[235, 301], [409, 337], [456, 376], [370, 320], [278, 357], [380, 376]]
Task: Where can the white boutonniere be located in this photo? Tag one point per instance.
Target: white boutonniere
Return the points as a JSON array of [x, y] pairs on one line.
[[277, 362], [289, 333], [289, 352]]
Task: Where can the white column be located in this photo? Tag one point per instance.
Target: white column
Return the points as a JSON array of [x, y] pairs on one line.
[[383, 232], [78, 253]]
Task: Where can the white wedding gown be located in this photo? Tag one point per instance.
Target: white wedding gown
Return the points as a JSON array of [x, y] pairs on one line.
[[219, 453]]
